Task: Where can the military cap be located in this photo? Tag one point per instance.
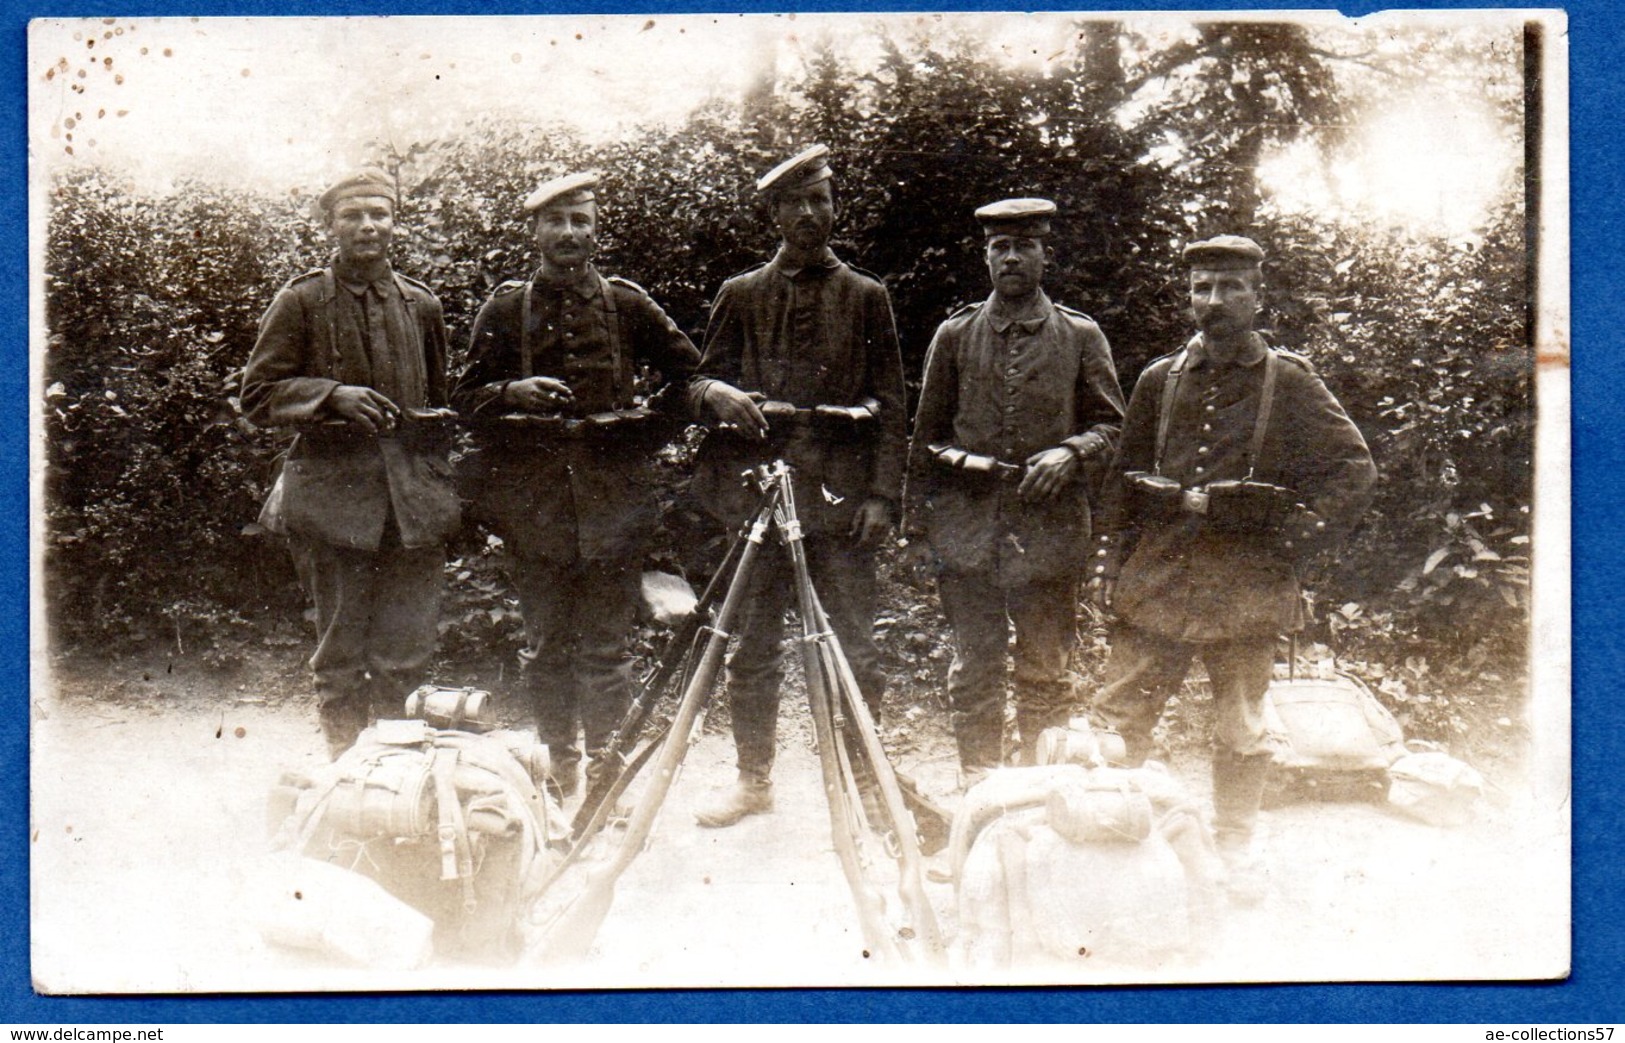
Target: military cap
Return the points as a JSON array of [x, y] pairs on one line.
[[571, 188], [1223, 252], [366, 182], [799, 171], [1016, 217]]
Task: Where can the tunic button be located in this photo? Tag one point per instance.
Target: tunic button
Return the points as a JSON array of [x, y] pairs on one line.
[[1209, 407], [1199, 470], [1206, 428], [1201, 450], [1011, 408]]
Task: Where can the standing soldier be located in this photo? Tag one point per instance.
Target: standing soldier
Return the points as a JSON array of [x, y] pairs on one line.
[[348, 354], [807, 330], [1016, 425], [1236, 463], [570, 496]]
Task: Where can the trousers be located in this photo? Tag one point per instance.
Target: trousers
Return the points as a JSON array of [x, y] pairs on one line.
[[981, 615], [577, 661], [1146, 669], [377, 612], [843, 574]]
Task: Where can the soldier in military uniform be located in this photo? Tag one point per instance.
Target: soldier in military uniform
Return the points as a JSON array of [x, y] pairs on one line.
[[1236, 463], [808, 330], [345, 355], [1017, 422], [571, 497]]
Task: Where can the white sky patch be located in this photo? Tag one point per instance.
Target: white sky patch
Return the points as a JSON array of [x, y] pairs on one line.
[[287, 102], [1425, 162]]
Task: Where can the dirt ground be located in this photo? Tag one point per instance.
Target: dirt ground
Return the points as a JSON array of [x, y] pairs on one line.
[[148, 841]]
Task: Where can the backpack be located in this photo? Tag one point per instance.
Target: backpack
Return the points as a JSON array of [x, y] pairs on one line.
[[1067, 865], [1333, 739], [454, 824]]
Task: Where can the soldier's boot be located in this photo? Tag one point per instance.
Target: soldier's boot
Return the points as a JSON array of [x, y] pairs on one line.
[[1030, 724], [387, 694], [1238, 788], [981, 749], [603, 766], [343, 716], [756, 743], [564, 774], [750, 795]]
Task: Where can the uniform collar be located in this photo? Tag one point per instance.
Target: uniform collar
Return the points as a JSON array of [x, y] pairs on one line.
[[826, 262], [584, 286], [1027, 319], [1251, 354], [352, 281]]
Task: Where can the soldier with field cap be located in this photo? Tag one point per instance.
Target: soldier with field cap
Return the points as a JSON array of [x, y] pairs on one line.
[[566, 432], [803, 330], [1017, 422], [353, 355], [1236, 464]]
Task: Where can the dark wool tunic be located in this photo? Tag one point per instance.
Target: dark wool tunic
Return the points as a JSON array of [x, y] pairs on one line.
[[339, 485], [569, 499], [1185, 581], [1009, 387], [819, 335]]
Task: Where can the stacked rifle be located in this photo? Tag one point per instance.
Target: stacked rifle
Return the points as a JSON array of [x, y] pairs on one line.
[[867, 801]]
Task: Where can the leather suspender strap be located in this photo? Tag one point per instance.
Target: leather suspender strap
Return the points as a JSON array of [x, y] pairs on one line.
[[1165, 411], [527, 351], [1266, 400]]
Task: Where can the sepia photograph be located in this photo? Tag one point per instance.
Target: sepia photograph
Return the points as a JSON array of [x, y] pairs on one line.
[[663, 501]]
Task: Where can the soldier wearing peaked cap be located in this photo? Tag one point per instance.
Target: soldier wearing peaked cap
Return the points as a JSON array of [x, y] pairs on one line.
[[1236, 462], [1026, 387], [810, 330], [365, 496], [574, 512]]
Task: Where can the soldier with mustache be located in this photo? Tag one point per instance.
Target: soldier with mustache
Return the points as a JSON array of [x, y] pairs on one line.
[[573, 502], [1236, 463]]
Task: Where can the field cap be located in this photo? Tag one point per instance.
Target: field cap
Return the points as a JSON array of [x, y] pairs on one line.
[[1029, 217], [571, 188], [365, 182], [799, 171], [1223, 252]]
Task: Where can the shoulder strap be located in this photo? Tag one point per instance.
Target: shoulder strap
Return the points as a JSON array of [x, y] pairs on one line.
[[1266, 400], [1165, 410], [401, 284]]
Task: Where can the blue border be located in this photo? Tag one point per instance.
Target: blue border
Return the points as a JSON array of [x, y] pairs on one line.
[[1597, 31]]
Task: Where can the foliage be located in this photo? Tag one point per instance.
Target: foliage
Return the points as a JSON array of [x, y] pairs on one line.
[[150, 476], [152, 301]]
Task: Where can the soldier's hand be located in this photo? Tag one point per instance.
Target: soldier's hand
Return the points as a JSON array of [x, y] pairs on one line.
[[1101, 592], [733, 408], [363, 407], [871, 522], [538, 394], [1047, 472]]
